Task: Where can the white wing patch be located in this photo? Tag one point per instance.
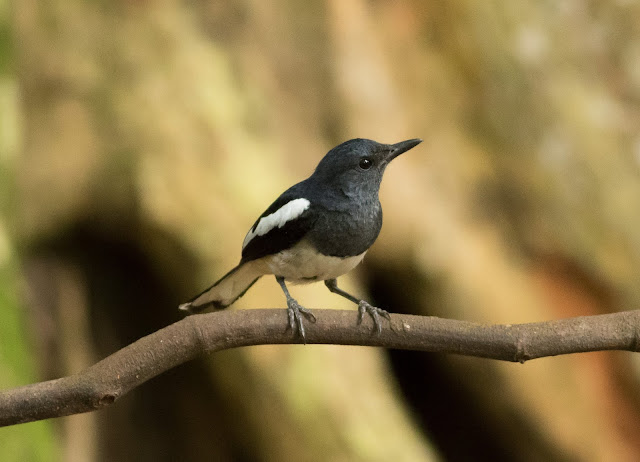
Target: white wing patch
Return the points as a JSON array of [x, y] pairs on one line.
[[289, 211]]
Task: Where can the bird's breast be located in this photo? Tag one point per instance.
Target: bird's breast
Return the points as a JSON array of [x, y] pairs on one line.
[[347, 233]]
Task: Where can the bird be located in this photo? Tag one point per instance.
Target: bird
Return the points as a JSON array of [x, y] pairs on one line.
[[317, 230]]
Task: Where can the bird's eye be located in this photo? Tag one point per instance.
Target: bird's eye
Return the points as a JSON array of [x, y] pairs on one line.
[[365, 163]]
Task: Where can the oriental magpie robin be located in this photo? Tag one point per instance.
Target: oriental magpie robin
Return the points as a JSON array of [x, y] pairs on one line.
[[316, 230]]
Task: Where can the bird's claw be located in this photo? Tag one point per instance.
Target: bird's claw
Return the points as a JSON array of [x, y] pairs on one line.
[[294, 311], [374, 312]]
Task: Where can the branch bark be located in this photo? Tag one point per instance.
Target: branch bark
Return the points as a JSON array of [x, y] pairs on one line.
[[103, 383]]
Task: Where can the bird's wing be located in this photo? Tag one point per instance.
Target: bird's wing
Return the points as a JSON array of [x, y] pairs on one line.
[[280, 227]]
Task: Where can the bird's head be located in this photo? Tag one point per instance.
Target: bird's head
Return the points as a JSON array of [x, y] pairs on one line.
[[358, 164]]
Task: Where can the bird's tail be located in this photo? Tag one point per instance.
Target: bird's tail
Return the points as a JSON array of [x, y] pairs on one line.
[[227, 290]]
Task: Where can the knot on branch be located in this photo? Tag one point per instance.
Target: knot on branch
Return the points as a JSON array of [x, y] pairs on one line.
[[105, 400]]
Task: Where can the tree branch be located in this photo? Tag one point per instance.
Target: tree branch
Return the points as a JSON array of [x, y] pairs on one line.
[[103, 383]]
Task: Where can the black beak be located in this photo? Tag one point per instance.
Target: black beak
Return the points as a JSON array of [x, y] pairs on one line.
[[403, 146]]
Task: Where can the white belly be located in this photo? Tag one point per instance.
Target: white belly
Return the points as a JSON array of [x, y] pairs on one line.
[[303, 264]]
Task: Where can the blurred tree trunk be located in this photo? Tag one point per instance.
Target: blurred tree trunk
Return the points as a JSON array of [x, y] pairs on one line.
[[154, 133]]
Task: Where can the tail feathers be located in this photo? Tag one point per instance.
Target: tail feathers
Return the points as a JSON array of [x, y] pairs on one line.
[[227, 290]]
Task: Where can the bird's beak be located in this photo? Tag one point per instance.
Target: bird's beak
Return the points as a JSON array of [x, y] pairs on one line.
[[403, 146]]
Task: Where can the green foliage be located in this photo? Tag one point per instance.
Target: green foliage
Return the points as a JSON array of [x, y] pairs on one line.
[[33, 441], [5, 48], [5, 38]]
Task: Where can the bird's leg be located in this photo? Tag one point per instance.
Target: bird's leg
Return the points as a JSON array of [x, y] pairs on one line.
[[294, 309], [363, 305]]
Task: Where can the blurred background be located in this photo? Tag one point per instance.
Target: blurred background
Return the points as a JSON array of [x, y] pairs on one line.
[[139, 140]]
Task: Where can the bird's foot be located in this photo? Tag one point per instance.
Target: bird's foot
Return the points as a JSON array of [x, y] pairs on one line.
[[294, 311], [374, 312]]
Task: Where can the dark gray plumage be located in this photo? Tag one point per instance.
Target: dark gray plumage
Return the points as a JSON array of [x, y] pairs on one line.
[[316, 230]]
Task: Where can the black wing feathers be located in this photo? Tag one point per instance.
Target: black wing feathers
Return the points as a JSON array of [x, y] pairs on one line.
[[279, 238]]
